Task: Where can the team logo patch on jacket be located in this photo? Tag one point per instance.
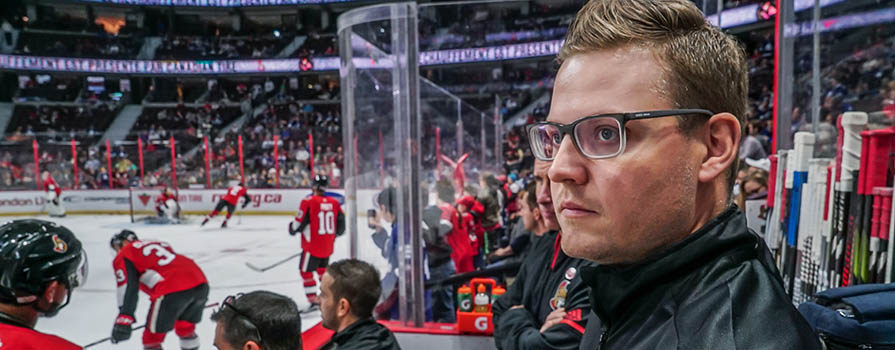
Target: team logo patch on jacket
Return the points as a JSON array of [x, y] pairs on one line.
[[559, 298]]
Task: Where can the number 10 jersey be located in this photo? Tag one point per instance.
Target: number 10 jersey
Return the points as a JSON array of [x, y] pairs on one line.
[[321, 219]]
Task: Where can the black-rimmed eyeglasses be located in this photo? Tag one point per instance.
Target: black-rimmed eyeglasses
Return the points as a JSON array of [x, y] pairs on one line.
[[597, 136], [228, 302]]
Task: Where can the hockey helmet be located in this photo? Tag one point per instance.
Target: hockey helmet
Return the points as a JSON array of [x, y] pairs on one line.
[[321, 181], [34, 253], [120, 237]]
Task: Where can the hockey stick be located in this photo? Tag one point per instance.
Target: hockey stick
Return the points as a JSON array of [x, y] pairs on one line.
[[135, 328], [837, 221], [810, 238], [804, 150], [826, 274], [875, 177], [268, 267], [852, 124], [772, 229], [862, 216], [891, 235]]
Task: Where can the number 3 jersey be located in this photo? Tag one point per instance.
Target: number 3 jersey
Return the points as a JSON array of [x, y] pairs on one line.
[[156, 269], [321, 219]]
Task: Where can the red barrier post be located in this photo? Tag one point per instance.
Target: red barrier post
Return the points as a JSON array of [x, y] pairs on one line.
[[140, 155], [778, 26], [242, 175], [109, 164], [276, 158], [36, 164], [74, 159], [173, 162], [438, 153], [207, 164]]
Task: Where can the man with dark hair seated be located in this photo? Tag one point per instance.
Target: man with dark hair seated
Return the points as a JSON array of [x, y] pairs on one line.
[[259, 320], [348, 292]]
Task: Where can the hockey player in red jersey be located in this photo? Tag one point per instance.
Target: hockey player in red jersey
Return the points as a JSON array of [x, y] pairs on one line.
[[166, 205], [229, 201], [319, 219], [176, 286], [40, 264], [53, 195]]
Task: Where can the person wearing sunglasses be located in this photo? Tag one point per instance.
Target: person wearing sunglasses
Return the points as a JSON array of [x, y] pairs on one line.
[[259, 320], [41, 263], [642, 139], [349, 291]]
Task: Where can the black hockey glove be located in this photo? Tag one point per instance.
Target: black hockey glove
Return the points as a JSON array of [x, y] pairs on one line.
[[122, 329]]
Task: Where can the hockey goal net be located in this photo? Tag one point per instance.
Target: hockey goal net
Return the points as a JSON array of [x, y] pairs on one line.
[[143, 204]]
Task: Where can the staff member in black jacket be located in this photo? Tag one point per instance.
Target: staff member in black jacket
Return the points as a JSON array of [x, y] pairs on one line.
[[642, 134], [259, 320], [547, 305], [348, 292]]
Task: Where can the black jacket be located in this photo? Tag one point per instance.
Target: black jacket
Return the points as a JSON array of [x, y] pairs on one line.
[[717, 289], [434, 231], [366, 334], [547, 280]]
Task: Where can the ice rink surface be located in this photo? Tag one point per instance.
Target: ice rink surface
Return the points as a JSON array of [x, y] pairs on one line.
[[221, 253]]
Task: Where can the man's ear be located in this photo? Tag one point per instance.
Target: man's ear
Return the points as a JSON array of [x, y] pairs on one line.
[[251, 345], [344, 307], [536, 213], [721, 135], [52, 290]]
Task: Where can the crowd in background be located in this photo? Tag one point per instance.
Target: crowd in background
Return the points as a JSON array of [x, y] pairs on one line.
[[199, 47], [857, 75]]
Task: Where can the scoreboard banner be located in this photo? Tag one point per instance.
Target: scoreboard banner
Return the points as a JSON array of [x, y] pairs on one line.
[[263, 66]]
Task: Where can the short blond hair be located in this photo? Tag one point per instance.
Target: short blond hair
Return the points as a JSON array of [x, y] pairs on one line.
[[704, 68]]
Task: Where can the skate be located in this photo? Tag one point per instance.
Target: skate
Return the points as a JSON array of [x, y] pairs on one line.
[[203, 222], [224, 225]]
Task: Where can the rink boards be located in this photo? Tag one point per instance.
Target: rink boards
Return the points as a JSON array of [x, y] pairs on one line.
[[192, 201]]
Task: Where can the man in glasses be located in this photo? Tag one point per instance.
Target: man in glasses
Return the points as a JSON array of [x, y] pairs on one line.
[[176, 286], [349, 291], [259, 320], [40, 264], [642, 137]]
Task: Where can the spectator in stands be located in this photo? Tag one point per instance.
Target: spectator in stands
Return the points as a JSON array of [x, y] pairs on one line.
[[349, 291], [386, 200], [259, 320], [489, 195], [751, 147], [638, 56], [437, 228], [753, 186]]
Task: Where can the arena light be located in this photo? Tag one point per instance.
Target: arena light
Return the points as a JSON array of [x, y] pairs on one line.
[[746, 14], [766, 10]]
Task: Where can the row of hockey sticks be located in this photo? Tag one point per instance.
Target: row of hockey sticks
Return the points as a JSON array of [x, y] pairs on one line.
[[830, 221]]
